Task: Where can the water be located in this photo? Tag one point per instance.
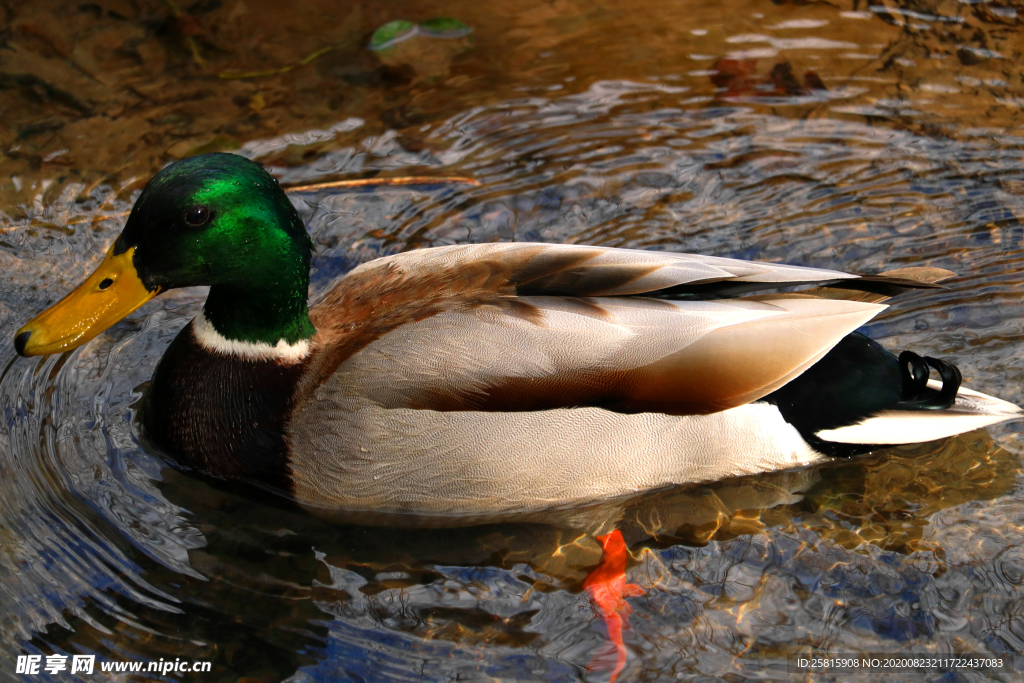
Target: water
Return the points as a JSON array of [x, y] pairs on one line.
[[655, 126]]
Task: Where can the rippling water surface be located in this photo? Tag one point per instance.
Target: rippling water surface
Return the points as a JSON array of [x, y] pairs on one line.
[[857, 138]]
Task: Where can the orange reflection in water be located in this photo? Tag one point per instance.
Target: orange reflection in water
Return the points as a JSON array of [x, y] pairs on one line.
[[608, 590]]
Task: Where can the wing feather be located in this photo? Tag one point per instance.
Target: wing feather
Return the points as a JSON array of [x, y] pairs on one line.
[[627, 354], [577, 270], [389, 293]]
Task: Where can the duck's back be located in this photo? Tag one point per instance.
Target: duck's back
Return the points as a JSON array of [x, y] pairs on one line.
[[498, 378]]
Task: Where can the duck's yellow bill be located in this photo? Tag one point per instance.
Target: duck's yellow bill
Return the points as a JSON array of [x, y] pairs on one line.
[[113, 291]]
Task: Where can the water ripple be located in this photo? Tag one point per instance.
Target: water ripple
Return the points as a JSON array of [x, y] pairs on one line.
[[103, 549]]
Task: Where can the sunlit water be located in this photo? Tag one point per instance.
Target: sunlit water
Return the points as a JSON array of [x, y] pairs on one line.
[[106, 550]]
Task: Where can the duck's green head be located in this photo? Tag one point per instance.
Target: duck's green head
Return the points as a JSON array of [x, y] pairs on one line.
[[215, 219]]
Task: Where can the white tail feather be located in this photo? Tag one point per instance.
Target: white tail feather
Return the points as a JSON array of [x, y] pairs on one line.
[[972, 410]]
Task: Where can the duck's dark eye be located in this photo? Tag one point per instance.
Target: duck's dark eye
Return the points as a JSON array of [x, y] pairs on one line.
[[197, 215]]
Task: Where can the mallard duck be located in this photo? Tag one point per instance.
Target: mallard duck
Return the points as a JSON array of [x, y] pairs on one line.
[[493, 379]]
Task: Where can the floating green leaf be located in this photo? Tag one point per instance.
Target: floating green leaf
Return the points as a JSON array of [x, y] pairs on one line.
[[445, 27], [391, 33]]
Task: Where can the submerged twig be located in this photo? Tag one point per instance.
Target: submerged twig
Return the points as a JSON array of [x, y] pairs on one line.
[[383, 182], [280, 70], [358, 182]]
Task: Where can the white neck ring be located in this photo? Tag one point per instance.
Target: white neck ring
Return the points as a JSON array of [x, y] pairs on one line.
[[212, 340]]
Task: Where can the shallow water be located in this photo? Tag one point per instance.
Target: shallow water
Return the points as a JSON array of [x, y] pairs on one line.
[[615, 124]]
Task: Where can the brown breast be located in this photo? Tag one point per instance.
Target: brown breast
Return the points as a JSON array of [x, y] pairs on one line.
[[222, 414]]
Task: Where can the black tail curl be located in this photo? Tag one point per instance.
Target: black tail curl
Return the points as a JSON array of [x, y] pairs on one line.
[[856, 380], [914, 371]]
